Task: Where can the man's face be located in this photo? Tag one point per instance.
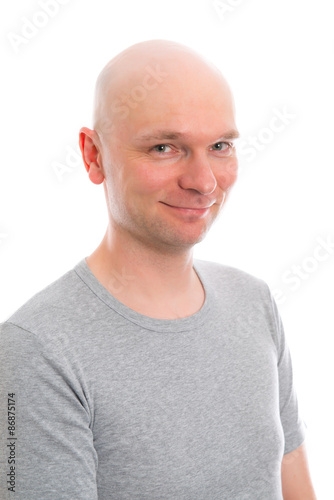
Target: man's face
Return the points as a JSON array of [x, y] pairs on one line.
[[170, 164]]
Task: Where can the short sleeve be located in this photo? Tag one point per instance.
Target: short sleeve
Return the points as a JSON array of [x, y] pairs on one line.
[[293, 425], [47, 450]]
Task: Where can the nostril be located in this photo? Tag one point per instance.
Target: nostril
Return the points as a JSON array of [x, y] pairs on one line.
[[199, 179]]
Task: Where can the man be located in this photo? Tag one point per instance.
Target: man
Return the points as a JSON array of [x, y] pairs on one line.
[[142, 373]]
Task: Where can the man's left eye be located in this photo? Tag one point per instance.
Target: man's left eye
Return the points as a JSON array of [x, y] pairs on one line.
[[223, 146]]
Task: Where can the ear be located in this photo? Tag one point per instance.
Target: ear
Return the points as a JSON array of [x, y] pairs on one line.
[[89, 146]]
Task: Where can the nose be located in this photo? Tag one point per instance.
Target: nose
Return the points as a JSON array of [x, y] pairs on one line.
[[197, 175]]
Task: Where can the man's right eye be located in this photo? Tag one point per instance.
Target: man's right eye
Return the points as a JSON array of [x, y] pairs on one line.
[[161, 148]]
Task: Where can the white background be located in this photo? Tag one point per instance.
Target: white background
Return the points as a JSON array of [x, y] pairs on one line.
[[277, 56]]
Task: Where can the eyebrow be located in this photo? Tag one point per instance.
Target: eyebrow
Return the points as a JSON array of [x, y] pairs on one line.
[[172, 135]]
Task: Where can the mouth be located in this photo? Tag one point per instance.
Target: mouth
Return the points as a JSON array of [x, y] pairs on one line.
[[202, 211]]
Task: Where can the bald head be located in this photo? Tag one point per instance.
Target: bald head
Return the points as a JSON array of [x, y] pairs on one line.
[[164, 130], [147, 72]]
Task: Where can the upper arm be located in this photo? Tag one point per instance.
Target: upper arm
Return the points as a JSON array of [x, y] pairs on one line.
[[53, 456], [296, 480]]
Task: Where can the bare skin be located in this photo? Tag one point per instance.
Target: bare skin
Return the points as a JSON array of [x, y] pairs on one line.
[[164, 193]]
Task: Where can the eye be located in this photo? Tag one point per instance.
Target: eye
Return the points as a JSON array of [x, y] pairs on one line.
[[161, 148], [225, 147]]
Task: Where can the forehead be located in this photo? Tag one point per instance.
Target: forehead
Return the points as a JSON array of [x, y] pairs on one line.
[[160, 134], [175, 98], [185, 118]]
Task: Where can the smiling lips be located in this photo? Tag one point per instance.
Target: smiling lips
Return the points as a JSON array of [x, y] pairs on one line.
[[189, 210]]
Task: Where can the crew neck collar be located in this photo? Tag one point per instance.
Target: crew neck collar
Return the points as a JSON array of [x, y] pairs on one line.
[[162, 325]]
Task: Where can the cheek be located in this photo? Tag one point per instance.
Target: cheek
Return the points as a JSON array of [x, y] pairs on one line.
[[148, 180], [227, 176]]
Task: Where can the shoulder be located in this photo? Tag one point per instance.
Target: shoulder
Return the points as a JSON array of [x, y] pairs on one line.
[[220, 274], [48, 306], [246, 297], [237, 289]]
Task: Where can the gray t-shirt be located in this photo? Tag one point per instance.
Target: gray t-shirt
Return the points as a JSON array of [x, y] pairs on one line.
[[111, 404]]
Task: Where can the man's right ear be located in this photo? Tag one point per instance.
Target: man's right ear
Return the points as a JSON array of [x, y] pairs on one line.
[[88, 140]]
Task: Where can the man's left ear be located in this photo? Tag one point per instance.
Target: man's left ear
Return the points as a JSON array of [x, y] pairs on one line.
[[88, 141]]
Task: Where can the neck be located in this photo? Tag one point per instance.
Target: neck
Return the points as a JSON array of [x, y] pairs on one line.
[[155, 283]]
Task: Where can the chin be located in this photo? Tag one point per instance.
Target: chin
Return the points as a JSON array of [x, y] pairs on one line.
[[190, 240]]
